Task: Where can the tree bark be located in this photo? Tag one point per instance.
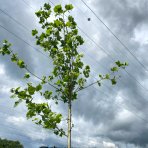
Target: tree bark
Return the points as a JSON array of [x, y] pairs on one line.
[[69, 124]]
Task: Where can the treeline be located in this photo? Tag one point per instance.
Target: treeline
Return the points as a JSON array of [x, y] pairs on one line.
[[4, 143]]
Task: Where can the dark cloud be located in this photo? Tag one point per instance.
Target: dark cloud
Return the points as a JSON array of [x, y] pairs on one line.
[[116, 114]]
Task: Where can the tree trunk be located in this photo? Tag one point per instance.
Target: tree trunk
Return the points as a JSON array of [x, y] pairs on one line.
[[69, 124]]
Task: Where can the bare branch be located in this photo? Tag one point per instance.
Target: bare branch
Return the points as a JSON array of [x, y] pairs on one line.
[[89, 85]]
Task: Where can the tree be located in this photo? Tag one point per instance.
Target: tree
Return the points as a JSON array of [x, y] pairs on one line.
[[4, 143], [60, 39]]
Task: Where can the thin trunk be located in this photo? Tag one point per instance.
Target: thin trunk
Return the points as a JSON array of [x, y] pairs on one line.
[[69, 124]]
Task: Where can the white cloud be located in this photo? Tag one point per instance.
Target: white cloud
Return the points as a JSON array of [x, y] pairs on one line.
[[140, 35], [125, 115], [109, 145], [2, 69], [38, 134], [18, 121]]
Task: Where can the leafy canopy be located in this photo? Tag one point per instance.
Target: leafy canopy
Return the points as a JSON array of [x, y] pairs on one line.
[[60, 40]]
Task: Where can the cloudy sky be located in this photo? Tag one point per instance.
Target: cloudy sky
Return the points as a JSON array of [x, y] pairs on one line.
[[103, 117]]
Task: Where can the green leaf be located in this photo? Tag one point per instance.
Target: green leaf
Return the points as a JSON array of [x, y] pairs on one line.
[[126, 63], [113, 81], [107, 76], [39, 87], [34, 32], [56, 102], [43, 79], [38, 13], [86, 71], [58, 82], [47, 6], [57, 23], [21, 64], [70, 18], [48, 94], [114, 69], [27, 75], [69, 7], [31, 89], [80, 40], [48, 31], [75, 32], [14, 58], [56, 132], [68, 24], [100, 76], [58, 9], [118, 63]]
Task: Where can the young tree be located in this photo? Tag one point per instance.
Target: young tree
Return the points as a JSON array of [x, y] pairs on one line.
[[60, 39]]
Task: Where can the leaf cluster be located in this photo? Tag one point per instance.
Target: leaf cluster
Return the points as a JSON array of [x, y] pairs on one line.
[[60, 40], [113, 78]]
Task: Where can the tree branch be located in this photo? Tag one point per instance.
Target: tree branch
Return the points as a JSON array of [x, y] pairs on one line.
[[89, 85], [40, 78]]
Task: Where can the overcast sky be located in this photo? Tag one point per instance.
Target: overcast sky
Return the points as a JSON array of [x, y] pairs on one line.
[[104, 117]]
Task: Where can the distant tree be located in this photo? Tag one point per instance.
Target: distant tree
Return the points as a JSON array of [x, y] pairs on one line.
[[60, 39], [4, 143], [44, 147]]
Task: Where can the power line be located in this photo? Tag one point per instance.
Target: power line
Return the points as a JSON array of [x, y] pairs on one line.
[[108, 55], [94, 43], [115, 36], [84, 14], [27, 4], [22, 40], [119, 104], [125, 71], [29, 44], [111, 57], [32, 47], [101, 49], [15, 20], [23, 26], [129, 75]]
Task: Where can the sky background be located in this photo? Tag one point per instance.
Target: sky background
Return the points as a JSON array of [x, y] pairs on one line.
[[104, 117]]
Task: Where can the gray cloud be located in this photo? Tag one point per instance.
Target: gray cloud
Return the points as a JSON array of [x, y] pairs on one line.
[[101, 114]]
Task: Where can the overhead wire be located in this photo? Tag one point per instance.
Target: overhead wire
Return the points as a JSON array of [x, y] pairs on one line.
[[115, 36], [26, 67], [92, 75], [101, 47], [89, 38], [111, 57], [4, 12], [102, 50], [115, 103], [106, 37], [108, 55], [18, 37]]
